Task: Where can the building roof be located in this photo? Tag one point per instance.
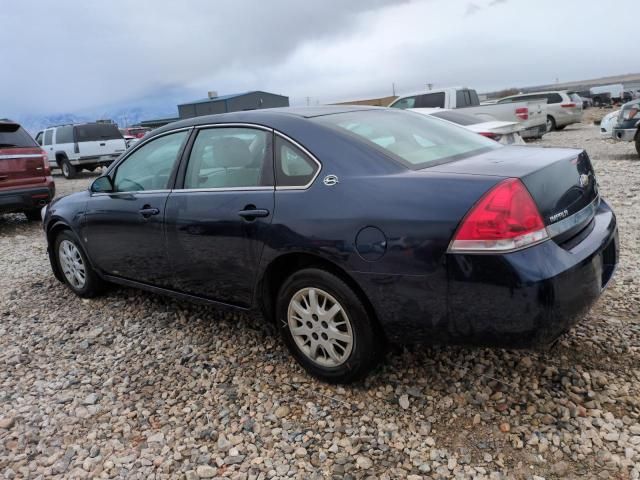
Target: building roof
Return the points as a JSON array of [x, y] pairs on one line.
[[227, 97]]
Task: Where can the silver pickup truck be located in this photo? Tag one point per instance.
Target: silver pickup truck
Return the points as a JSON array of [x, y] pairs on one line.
[[531, 114]]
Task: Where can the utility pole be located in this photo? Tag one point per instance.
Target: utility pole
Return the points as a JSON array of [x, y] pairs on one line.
[[308, 99], [393, 88]]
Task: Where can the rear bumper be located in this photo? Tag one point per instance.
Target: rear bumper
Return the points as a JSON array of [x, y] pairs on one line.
[[517, 300], [98, 160], [625, 134], [31, 198]]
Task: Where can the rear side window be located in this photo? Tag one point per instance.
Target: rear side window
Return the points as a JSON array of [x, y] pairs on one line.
[[64, 134], [553, 98], [93, 132], [13, 135], [431, 100], [48, 136], [294, 168]]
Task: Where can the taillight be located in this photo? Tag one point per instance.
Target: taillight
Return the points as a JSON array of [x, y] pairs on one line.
[[506, 218], [522, 113], [45, 160], [568, 105], [490, 135]]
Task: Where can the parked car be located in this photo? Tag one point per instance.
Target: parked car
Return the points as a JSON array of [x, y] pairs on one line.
[[507, 133], [85, 146], [135, 132], [562, 108], [607, 123], [627, 96], [349, 227], [607, 94], [25, 178], [627, 127], [130, 141], [530, 114]]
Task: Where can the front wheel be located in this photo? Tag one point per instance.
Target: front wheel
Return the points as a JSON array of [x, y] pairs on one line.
[[77, 271], [326, 327]]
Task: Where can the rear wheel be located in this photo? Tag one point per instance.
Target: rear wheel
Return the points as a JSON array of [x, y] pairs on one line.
[[33, 215], [326, 327], [551, 124], [75, 268], [68, 170]]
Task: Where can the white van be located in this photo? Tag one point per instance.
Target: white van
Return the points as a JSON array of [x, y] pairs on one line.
[[85, 146]]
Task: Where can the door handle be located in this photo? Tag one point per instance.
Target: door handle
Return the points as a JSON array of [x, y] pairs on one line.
[[102, 144], [147, 211], [250, 212]]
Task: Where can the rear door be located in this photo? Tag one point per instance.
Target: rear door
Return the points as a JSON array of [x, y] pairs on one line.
[[21, 159], [48, 147], [218, 222], [101, 140], [124, 229]]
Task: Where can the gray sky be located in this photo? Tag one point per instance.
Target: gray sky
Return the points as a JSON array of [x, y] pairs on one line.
[[72, 55]]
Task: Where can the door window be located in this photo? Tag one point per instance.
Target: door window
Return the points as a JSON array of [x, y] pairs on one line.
[[408, 102], [39, 138], [150, 166], [230, 157], [48, 136], [431, 100], [294, 168]]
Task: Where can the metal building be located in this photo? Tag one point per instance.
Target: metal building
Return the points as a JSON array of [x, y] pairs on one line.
[[232, 103]]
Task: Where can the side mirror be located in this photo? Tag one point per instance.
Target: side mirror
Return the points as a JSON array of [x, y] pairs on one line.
[[102, 184]]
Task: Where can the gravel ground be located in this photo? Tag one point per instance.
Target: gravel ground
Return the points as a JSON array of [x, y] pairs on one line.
[[133, 385]]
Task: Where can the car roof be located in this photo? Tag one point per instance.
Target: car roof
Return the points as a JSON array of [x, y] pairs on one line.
[[536, 93], [265, 116]]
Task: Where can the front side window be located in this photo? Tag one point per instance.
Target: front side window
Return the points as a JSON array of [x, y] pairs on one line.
[[294, 168], [39, 138], [407, 102], [413, 140], [230, 157], [150, 166]]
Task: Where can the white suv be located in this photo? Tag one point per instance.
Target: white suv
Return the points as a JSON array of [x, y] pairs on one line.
[[563, 108], [84, 146]]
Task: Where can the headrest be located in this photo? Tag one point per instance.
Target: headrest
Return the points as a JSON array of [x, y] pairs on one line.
[[230, 152]]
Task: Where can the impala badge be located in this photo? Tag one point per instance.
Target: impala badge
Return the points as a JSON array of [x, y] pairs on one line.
[[584, 180], [330, 180]]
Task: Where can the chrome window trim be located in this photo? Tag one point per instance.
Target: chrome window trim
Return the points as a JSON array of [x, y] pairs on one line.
[[222, 189], [580, 216], [14, 156], [132, 192], [309, 154], [234, 125]]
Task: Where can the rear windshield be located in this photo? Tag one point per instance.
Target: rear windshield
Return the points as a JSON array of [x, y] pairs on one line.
[[459, 118], [412, 139], [97, 131], [13, 135]]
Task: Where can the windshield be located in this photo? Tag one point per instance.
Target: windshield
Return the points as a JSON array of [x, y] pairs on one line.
[[414, 140]]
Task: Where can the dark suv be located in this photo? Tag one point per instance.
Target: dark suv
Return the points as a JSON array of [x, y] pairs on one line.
[[25, 178]]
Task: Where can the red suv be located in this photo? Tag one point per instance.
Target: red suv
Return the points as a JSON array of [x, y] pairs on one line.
[[25, 178]]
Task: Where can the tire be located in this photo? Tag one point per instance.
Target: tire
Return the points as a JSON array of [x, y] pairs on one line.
[[551, 124], [33, 215], [347, 358], [597, 102], [560, 127], [71, 259], [68, 170]]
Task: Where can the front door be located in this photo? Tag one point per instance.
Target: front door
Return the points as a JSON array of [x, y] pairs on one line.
[[124, 229], [218, 222]]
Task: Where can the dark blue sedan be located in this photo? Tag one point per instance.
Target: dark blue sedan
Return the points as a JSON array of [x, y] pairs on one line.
[[350, 228]]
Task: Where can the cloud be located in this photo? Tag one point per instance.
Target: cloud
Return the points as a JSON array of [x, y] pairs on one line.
[[79, 56]]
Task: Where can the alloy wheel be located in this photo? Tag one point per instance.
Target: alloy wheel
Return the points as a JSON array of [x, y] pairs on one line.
[[320, 327], [72, 265]]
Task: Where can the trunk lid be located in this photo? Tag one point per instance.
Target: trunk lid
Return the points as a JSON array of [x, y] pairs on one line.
[[560, 180], [21, 166]]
